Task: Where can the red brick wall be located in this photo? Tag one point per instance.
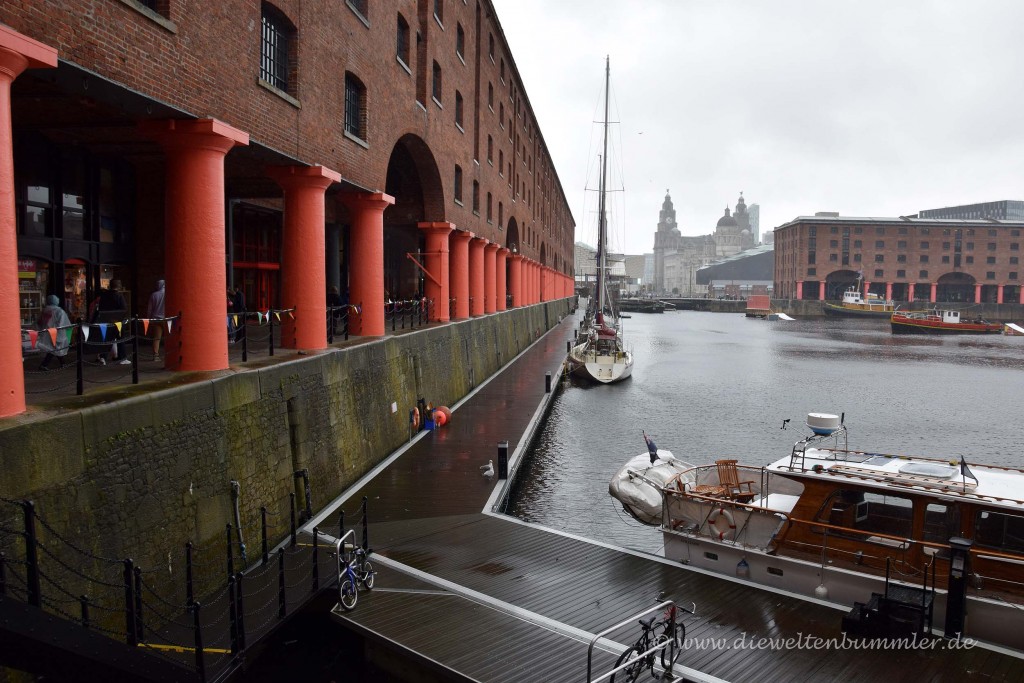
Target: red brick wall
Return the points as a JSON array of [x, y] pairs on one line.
[[205, 61]]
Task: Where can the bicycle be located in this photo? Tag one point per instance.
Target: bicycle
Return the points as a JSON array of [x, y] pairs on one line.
[[353, 569], [640, 655]]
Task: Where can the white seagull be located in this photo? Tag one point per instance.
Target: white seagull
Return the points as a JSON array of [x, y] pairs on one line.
[[488, 469]]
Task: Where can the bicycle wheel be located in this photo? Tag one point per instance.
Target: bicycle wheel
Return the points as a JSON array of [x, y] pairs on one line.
[[348, 594], [633, 670], [367, 576], [671, 653]]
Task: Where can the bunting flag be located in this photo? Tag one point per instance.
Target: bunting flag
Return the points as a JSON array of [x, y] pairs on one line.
[[52, 331], [145, 326], [235, 318], [170, 322], [266, 316], [277, 314], [291, 315], [103, 331], [85, 332], [70, 330], [118, 325], [33, 337]]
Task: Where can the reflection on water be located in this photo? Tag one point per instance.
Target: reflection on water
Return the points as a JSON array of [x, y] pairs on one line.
[[708, 386]]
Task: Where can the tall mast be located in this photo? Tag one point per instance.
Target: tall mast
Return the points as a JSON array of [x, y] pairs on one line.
[[602, 226]]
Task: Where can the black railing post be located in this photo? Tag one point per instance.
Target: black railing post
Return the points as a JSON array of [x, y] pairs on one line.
[[231, 554], [245, 340], [309, 494], [3, 575], [140, 634], [263, 533], [197, 634], [316, 563], [348, 316], [179, 342], [233, 615], [341, 524], [134, 323], [189, 588], [240, 610], [80, 349], [547, 382], [291, 497], [270, 319], [84, 601], [394, 315], [366, 528], [330, 324], [281, 606], [35, 597], [129, 603]]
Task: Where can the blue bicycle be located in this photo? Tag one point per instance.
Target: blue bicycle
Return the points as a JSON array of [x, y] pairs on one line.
[[353, 569]]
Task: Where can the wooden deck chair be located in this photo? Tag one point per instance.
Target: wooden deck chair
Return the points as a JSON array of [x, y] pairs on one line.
[[729, 477]]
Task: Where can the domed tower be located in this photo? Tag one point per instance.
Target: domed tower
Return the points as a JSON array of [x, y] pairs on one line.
[[727, 236], [742, 216]]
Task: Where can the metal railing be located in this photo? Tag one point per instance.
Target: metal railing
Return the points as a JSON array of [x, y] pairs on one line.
[[667, 643]]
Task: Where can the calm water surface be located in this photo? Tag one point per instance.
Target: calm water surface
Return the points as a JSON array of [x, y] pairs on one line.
[[713, 385]]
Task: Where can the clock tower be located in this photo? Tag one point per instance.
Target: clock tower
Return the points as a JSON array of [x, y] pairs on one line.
[[666, 239]]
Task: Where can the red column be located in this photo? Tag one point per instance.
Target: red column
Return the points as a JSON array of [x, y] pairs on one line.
[[799, 289], [545, 283], [366, 270], [935, 292], [500, 279], [194, 237], [303, 249], [460, 272], [476, 276], [888, 291], [1020, 295], [999, 294], [977, 293], [490, 277], [821, 291], [17, 53], [534, 283], [516, 276], [910, 292], [436, 281]]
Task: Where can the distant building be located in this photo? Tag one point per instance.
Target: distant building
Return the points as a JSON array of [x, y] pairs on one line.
[[677, 258], [739, 276], [1006, 210], [755, 222], [906, 259]]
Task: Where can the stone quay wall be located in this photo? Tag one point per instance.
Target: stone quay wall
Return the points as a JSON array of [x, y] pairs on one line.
[[141, 476]]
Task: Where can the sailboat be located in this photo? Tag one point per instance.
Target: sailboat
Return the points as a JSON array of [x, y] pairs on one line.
[[600, 354]]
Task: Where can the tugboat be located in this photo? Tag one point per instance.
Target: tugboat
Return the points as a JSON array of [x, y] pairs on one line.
[[940, 322], [854, 305]]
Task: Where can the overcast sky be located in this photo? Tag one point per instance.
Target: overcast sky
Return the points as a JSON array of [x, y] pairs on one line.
[[865, 107]]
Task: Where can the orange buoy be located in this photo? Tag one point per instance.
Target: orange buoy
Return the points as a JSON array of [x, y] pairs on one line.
[[440, 418], [416, 419], [447, 413]]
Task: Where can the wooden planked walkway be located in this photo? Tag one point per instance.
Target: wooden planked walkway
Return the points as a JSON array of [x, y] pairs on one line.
[[483, 597]]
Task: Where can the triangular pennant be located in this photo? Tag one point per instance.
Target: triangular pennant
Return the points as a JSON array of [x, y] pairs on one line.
[[70, 330], [291, 315], [266, 316], [235, 319], [259, 318], [85, 333], [33, 336], [170, 322], [145, 325], [52, 331], [103, 331], [277, 314], [118, 326]]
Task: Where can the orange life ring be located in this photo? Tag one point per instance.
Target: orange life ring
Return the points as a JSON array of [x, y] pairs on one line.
[[416, 419], [722, 530]]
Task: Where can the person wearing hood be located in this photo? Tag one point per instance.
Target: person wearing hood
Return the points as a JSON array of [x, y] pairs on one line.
[[155, 313], [53, 316]]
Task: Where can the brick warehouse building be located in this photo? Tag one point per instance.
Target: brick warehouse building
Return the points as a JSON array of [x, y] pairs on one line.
[[388, 149], [906, 259]]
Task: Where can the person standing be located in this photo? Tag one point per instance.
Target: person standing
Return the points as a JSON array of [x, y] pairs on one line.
[[155, 313], [53, 316], [111, 300]]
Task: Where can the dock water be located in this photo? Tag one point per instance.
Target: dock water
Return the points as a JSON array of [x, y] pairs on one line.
[[473, 595]]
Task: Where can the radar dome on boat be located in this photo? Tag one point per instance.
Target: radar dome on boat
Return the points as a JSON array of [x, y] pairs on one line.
[[822, 423]]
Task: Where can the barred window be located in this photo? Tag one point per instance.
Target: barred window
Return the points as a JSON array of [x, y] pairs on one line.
[[402, 40], [355, 107], [277, 45]]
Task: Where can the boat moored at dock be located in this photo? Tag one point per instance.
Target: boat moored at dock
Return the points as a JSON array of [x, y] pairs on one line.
[[940, 322], [851, 526], [854, 305]]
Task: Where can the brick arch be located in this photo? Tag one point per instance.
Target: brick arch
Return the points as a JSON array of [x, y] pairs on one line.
[[414, 180], [543, 254], [512, 236]]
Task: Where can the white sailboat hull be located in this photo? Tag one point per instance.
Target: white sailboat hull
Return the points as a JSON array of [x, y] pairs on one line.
[[608, 368]]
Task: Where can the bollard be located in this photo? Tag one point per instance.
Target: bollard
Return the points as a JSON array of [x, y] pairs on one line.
[[547, 382], [503, 460], [129, 603], [568, 346]]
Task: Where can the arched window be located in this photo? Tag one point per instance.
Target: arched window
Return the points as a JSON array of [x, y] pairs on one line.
[[277, 50], [402, 40], [436, 92], [355, 107], [458, 183]]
